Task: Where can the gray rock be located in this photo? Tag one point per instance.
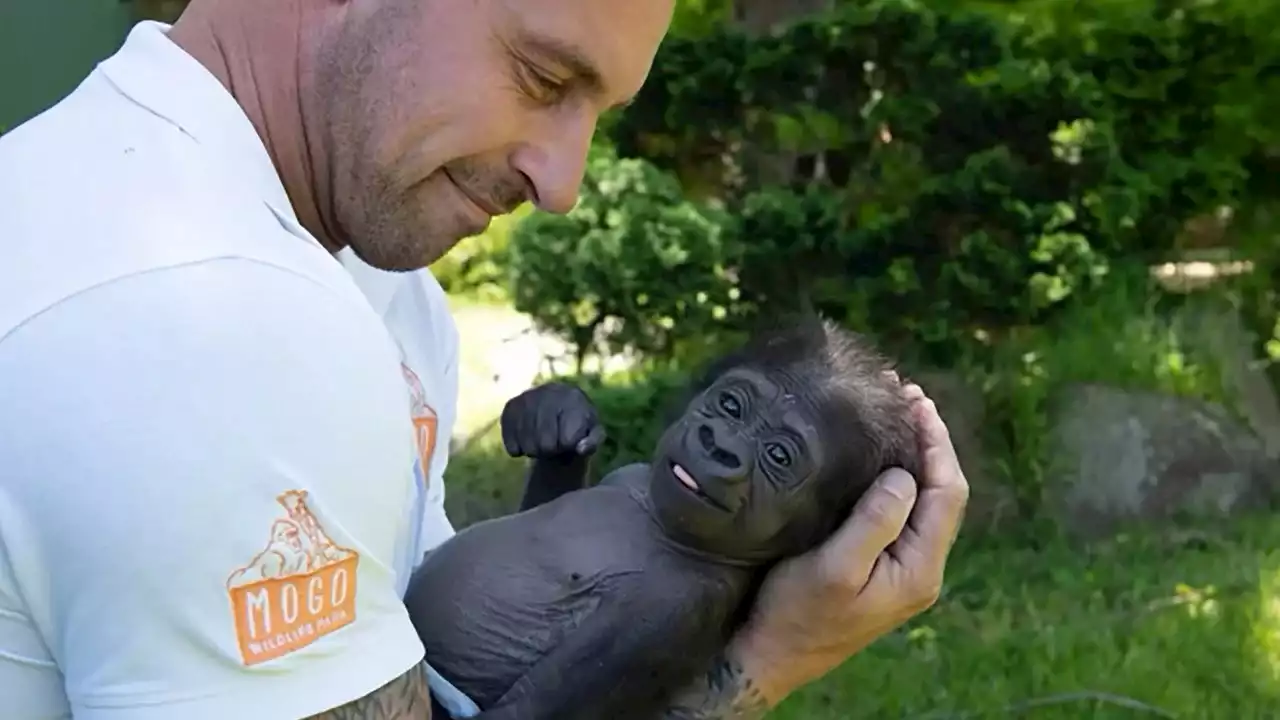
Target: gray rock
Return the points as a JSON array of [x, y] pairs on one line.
[[1216, 332], [1121, 456]]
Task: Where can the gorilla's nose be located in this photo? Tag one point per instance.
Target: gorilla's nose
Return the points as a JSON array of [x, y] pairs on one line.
[[728, 454]]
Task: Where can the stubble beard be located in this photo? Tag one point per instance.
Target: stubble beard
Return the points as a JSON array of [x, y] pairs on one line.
[[385, 221], [390, 219]]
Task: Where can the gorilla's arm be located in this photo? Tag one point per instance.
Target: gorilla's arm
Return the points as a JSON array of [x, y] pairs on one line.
[[556, 425], [629, 641], [551, 477]]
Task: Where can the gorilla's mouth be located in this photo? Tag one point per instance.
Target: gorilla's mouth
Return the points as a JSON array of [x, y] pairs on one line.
[[686, 479]]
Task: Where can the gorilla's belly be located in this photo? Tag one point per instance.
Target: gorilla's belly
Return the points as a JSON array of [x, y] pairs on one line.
[[488, 606], [484, 659]]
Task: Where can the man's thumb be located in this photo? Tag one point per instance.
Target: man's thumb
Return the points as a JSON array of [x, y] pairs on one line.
[[877, 520]]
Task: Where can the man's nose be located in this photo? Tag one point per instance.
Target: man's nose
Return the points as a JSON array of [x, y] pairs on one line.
[[556, 161], [728, 453]]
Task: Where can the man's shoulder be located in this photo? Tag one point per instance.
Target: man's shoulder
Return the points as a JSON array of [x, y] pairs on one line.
[[69, 151], [96, 189], [411, 302], [96, 165]]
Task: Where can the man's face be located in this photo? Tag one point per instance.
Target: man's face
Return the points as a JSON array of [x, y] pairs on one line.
[[439, 114]]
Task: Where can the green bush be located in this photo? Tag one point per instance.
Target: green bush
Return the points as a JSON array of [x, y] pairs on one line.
[[952, 189], [924, 172], [633, 267], [476, 267]]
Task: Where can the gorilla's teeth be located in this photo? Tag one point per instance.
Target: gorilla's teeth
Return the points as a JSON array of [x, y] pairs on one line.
[[683, 476]]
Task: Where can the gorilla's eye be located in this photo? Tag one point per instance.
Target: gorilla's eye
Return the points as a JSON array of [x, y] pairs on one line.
[[730, 404], [778, 454]]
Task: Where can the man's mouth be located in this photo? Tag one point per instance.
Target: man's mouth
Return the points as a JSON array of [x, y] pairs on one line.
[[686, 478], [485, 206]]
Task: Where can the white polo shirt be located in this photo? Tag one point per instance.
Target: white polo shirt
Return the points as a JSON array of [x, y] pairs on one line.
[[213, 432]]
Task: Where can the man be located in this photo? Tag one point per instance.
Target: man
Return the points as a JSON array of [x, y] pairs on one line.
[[226, 379]]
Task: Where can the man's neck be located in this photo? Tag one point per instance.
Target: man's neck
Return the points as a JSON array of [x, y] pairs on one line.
[[260, 58]]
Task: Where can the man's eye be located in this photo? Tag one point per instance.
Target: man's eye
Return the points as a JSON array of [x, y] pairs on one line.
[[730, 404], [778, 454], [541, 86]]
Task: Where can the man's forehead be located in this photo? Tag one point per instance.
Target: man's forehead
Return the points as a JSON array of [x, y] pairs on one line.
[[608, 45]]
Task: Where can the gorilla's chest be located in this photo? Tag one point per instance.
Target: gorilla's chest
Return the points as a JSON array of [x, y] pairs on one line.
[[501, 595]]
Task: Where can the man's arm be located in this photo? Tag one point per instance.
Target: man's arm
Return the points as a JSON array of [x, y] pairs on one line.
[[725, 692], [203, 504], [405, 698], [884, 566]]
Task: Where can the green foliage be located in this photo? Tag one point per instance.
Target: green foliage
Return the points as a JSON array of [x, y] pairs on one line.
[[476, 267], [1187, 91], [632, 267], [953, 173], [980, 188], [976, 173]]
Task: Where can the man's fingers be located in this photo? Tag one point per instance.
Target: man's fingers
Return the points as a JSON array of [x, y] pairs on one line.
[[944, 491], [935, 440], [848, 557]]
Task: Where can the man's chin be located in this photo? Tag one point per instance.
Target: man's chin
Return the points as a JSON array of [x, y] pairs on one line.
[[413, 233], [397, 258]]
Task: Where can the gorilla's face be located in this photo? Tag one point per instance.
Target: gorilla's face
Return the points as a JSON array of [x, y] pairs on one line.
[[740, 474]]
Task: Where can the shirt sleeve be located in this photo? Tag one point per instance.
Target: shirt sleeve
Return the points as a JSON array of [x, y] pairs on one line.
[[438, 521], [207, 478]]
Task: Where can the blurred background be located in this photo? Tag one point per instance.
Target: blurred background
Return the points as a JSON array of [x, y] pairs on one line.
[[1061, 216]]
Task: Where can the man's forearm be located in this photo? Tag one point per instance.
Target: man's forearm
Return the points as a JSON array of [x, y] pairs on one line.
[[725, 692]]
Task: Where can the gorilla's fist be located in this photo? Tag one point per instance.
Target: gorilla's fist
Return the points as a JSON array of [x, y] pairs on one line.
[[555, 420]]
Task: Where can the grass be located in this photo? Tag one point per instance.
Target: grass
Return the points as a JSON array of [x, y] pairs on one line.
[[1185, 625], [1180, 621]]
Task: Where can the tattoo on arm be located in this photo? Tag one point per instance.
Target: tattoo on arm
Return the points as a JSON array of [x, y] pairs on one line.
[[405, 698], [724, 693]]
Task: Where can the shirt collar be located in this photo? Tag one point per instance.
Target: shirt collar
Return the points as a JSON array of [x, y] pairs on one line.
[[152, 71]]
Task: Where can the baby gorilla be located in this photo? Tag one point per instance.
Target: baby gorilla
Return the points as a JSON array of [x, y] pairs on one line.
[[602, 602]]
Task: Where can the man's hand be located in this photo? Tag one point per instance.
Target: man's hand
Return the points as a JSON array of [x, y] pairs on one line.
[[555, 420], [881, 568]]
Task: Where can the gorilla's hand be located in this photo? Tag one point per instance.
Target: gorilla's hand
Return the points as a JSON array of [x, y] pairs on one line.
[[555, 420]]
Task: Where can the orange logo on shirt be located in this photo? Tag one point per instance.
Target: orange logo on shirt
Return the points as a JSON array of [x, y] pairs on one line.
[[301, 587], [424, 421]]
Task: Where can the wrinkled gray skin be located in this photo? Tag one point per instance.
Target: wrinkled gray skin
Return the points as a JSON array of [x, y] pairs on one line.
[[602, 602]]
